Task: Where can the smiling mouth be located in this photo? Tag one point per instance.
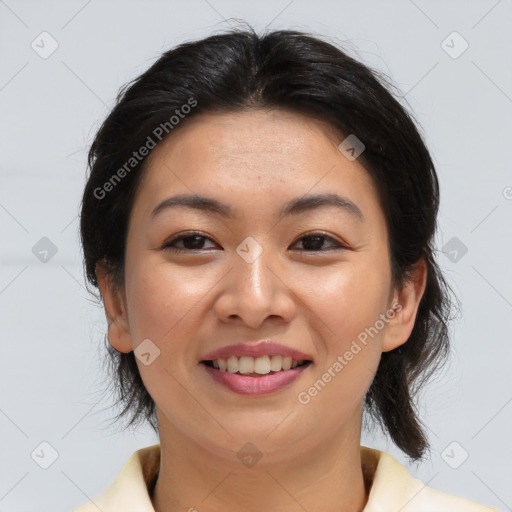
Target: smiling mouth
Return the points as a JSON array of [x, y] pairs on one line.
[[255, 367]]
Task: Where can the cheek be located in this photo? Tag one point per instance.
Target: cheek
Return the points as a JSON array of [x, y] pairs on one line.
[[345, 317], [164, 304], [162, 299], [348, 305], [348, 299]]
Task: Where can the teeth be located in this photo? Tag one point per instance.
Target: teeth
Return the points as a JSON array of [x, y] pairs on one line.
[[232, 364], [246, 365], [276, 363], [261, 365]]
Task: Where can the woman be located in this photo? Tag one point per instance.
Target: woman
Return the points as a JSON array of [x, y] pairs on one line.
[[259, 220]]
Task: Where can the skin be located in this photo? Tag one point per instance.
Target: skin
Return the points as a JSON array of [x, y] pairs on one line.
[[316, 300]]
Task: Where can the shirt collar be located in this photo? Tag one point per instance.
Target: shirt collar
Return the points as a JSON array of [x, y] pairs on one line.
[[392, 486]]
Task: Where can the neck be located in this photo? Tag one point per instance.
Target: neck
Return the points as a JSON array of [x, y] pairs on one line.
[[328, 477]]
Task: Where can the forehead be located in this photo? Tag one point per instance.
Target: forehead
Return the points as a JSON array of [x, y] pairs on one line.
[[270, 139], [251, 158]]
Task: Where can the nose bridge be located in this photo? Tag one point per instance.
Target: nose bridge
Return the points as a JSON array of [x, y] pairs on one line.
[[251, 267], [254, 290]]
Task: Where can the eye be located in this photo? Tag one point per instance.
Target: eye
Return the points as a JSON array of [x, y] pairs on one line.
[[315, 241], [195, 241], [192, 241]]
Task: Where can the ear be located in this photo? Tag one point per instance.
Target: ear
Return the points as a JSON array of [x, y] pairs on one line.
[[115, 310], [405, 303]]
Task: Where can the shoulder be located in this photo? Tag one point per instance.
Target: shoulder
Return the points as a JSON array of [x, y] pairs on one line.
[[393, 489], [129, 491]]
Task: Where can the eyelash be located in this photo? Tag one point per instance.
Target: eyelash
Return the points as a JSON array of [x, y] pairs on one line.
[[168, 245]]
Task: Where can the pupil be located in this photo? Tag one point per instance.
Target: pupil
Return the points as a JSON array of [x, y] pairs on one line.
[[312, 246], [196, 244]]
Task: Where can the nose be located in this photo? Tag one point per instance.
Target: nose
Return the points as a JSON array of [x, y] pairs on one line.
[[254, 291]]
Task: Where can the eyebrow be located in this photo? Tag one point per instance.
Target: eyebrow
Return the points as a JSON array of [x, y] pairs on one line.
[[294, 207]]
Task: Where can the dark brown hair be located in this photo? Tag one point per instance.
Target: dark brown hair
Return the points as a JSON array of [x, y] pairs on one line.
[[292, 70]]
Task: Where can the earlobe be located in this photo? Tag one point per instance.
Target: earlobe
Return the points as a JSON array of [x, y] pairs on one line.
[[408, 299], [115, 311]]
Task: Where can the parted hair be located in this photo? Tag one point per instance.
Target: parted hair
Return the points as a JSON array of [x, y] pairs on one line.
[[297, 71]]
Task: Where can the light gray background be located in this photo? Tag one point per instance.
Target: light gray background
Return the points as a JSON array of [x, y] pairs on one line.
[[50, 328]]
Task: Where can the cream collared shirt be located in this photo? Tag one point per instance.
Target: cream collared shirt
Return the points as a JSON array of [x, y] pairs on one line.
[[393, 488]]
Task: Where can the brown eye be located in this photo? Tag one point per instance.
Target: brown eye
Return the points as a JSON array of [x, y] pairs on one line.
[[195, 242], [315, 242], [191, 242]]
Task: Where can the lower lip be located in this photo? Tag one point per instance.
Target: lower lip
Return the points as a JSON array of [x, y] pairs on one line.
[[255, 385]]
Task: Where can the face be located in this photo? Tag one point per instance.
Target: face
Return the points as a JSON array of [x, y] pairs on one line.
[[315, 279]]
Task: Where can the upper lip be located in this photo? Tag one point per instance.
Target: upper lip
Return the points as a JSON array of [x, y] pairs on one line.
[[256, 349]]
